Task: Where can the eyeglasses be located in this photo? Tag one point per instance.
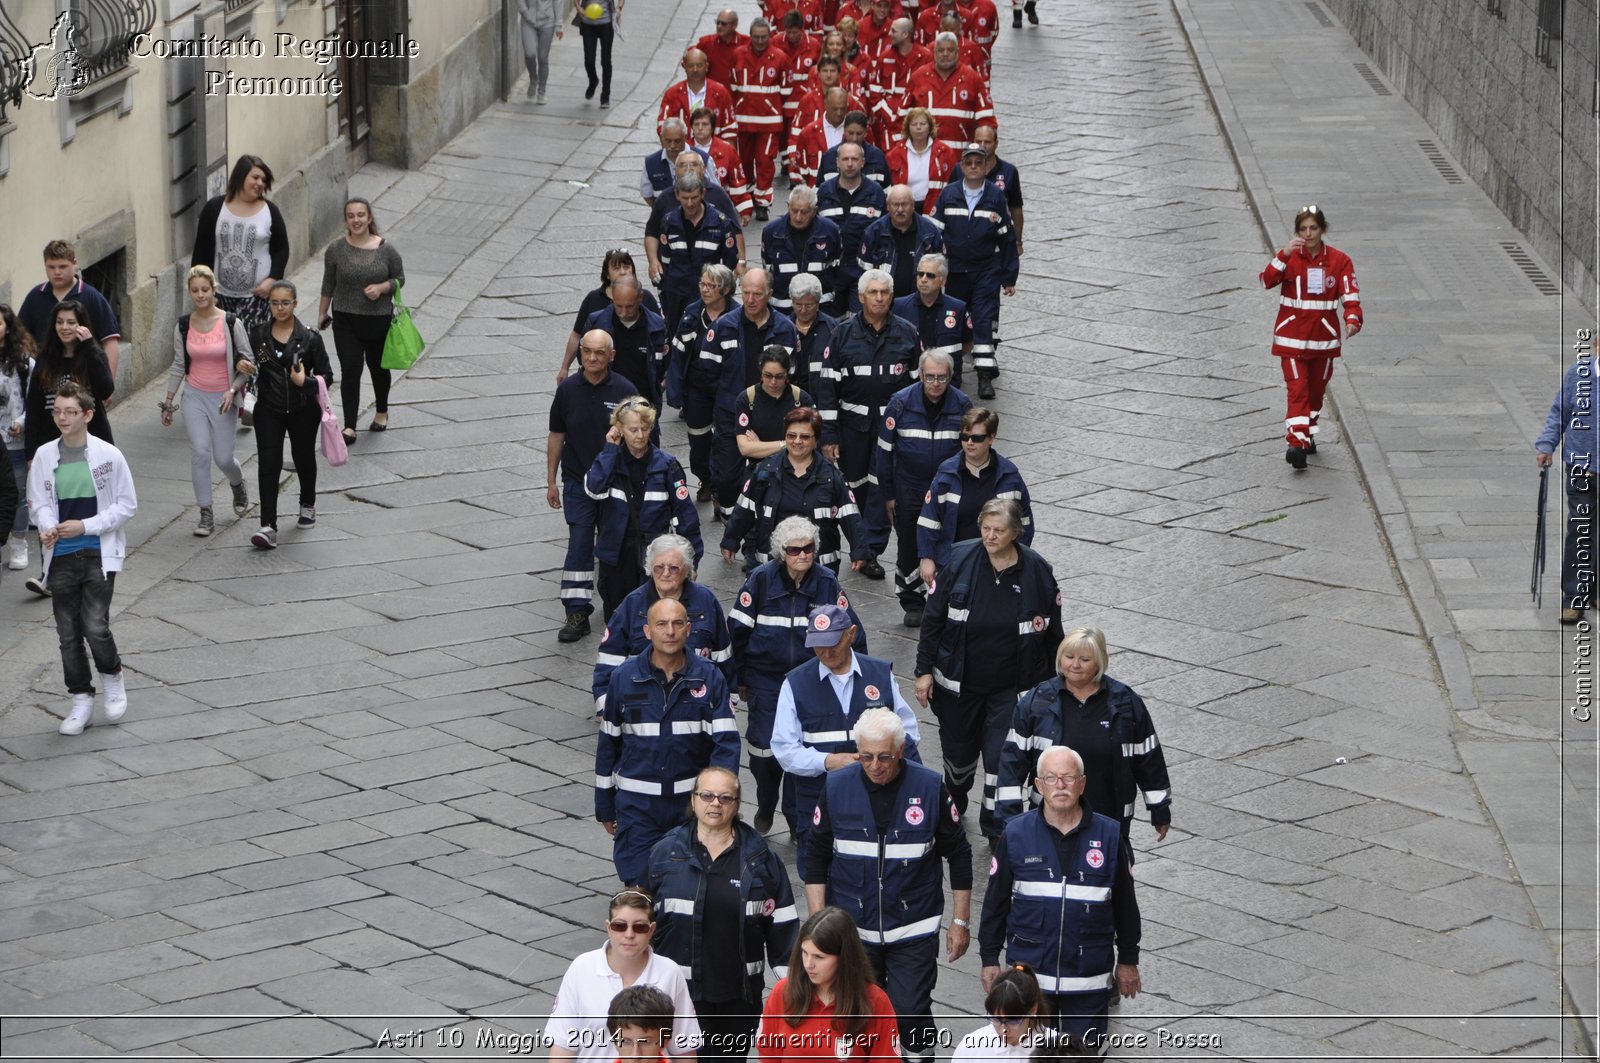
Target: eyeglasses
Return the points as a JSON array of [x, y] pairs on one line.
[[798, 437], [1008, 1020], [881, 758], [936, 378], [726, 22], [622, 926], [665, 570], [65, 411], [1054, 780], [800, 551], [280, 304], [776, 378], [973, 437], [932, 274], [717, 799]]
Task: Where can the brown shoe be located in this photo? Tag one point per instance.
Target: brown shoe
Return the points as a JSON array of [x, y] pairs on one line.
[[1571, 616]]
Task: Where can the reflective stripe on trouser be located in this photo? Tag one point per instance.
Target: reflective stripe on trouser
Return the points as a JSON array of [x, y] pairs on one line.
[[908, 971], [761, 704], [908, 583], [981, 292], [577, 571], [697, 417], [758, 151], [855, 461], [972, 727], [1306, 380], [642, 820]]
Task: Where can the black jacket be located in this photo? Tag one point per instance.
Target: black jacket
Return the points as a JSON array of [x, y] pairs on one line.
[[205, 238], [274, 390], [39, 427]]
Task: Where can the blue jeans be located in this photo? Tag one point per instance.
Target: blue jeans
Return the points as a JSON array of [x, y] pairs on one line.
[[1578, 542], [19, 469], [577, 572], [80, 594]]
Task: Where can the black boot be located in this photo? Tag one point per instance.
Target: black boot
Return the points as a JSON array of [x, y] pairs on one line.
[[1033, 13], [1016, 18]]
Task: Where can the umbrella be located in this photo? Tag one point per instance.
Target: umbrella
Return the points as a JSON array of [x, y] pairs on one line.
[[1538, 539]]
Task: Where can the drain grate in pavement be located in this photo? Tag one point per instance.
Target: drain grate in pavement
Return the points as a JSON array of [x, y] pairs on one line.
[[1378, 87], [1320, 15], [1526, 264], [1440, 163]]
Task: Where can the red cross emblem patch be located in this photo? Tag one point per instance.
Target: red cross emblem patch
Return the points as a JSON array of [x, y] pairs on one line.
[[1095, 858]]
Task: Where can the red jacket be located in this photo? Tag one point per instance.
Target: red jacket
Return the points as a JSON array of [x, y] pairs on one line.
[[802, 61], [808, 151], [760, 85], [810, 10], [814, 1039], [675, 104], [982, 22], [730, 174], [720, 55], [943, 160], [891, 75], [960, 102], [808, 111], [1308, 317], [872, 37]]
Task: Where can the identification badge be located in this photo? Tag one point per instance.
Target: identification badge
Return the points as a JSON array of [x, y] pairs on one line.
[[1316, 278]]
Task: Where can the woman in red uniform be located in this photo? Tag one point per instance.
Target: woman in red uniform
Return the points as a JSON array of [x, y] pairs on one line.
[[828, 1007], [1313, 280]]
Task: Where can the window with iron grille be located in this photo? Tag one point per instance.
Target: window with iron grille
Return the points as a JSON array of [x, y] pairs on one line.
[[103, 32]]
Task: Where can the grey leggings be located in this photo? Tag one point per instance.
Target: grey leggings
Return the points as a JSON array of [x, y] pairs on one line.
[[210, 439], [536, 53]]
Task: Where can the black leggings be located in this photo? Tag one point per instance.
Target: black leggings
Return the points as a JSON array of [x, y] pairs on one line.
[[359, 338], [601, 35], [301, 428]]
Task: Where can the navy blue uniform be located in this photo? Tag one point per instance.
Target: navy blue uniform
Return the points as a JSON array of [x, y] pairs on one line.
[[625, 637], [633, 506], [656, 736], [823, 498], [581, 412], [954, 491], [733, 357], [879, 250], [981, 245], [686, 249], [692, 386], [808, 355], [874, 165], [853, 212], [762, 414], [945, 326], [913, 441], [788, 253], [641, 351]]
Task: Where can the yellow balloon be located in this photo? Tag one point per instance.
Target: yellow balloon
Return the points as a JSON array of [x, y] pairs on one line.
[[593, 11]]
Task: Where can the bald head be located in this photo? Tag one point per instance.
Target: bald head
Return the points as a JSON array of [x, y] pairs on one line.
[[695, 66], [835, 105], [902, 204]]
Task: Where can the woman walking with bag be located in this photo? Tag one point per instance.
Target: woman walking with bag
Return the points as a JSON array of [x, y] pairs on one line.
[[360, 276], [541, 22], [207, 346], [288, 360]]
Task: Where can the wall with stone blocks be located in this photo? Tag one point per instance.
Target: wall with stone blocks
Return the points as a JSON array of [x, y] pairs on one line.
[[1522, 129]]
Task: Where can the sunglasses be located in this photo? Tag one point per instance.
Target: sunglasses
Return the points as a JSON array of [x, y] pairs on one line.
[[622, 926], [973, 437], [928, 273], [717, 799], [800, 551]]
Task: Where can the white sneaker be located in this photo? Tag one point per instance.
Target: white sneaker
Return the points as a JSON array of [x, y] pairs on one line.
[[17, 555], [116, 699], [82, 712]]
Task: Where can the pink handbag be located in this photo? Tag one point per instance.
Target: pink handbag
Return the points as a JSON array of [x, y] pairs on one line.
[[333, 445]]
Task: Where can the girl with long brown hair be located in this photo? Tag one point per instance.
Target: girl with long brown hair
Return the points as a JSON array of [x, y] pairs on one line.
[[828, 1006]]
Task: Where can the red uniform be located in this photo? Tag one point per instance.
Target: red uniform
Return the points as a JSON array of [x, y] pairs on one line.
[[802, 62], [959, 102], [982, 22], [808, 150], [718, 100], [719, 55], [1307, 334], [730, 173], [873, 37], [760, 84], [892, 75], [808, 113], [943, 159], [972, 54], [810, 10], [928, 24]]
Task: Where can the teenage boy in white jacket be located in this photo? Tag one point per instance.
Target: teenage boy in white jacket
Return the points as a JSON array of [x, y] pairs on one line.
[[81, 496]]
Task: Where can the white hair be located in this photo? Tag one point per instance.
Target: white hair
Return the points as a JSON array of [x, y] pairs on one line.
[[874, 276], [1068, 750], [946, 36], [805, 284], [932, 355], [666, 544], [940, 263], [804, 196], [880, 725], [793, 529], [674, 123]]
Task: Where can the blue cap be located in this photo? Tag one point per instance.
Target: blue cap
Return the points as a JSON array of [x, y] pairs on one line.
[[828, 624]]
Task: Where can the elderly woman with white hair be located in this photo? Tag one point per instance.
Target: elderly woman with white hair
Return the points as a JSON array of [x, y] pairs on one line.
[[814, 328], [1104, 720], [768, 628], [669, 560]]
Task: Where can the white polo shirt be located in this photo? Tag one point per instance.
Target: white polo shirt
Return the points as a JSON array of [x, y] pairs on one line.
[[578, 1016]]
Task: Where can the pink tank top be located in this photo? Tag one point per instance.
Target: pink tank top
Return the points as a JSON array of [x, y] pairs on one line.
[[208, 358]]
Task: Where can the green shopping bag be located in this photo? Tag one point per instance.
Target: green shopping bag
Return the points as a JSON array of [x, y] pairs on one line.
[[404, 343]]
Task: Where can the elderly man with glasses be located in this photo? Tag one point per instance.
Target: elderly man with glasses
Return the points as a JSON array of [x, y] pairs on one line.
[[941, 320], [880, 828], [1060, 899]]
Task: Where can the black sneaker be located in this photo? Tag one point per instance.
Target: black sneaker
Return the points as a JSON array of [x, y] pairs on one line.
[[1033, 13], [761, 214], [872, 570], [763, 822], [576, 627], [985, 387], [704, 494], [36, 584], [1295, 456], [913, 617], [1016, 18]]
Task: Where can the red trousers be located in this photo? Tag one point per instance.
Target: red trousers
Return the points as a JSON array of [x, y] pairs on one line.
[[759, 152], [1307, 382]]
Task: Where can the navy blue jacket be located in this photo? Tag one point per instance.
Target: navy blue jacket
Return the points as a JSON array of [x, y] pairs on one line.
[[768, 622], [818, 255], [624, 636], [828, 503], [662, 173], [666, 506], [941, 506], [646, 377], [734, 368], [952, 325], [685, 372], [808, 355], [654, 739], [876, 250], [686, 250], [867, 206], [874, 165], [676, 878], [913, 442], [980, 240], [942, 646], [861, 369]]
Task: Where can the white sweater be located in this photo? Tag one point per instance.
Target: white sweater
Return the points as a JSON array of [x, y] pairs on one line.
[[115, 501]]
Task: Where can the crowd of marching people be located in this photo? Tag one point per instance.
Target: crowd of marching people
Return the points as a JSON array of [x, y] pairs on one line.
[[818, 368]]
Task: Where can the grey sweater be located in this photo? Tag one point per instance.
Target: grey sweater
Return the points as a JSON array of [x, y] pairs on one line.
[[346, 270]]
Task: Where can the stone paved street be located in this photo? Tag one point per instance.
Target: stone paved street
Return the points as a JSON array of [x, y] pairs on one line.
[[356, 774]]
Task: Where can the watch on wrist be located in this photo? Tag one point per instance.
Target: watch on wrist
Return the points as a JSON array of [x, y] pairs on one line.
[[962, 923]]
